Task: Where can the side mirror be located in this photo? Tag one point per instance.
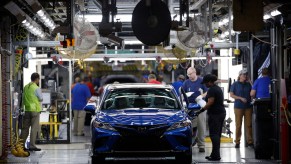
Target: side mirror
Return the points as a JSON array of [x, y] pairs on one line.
[[92, 105], [90, 108], [192, 109]]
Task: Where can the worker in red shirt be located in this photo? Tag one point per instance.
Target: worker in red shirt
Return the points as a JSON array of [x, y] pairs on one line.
[[153, 79], [90, 85]]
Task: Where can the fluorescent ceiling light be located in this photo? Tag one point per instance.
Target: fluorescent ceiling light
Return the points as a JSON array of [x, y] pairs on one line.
[[275, 13], [98, 18], [120, 17], [25, 20], [123, 18], [41, 13], [267, 16], [223, 57], [93, 18], [132, 42]]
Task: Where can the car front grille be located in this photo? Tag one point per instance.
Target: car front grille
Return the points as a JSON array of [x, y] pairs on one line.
[[141, 143], [141, 138], [153, 130]]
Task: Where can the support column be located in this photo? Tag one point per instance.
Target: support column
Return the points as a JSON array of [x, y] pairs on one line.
[[275, 93], [1, 125], [70, 100]]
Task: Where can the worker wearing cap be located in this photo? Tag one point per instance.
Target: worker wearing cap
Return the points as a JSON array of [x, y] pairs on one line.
[[240, 91], [216, 114]]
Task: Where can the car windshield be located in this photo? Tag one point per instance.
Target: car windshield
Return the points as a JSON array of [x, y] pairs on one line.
[[140, 98]]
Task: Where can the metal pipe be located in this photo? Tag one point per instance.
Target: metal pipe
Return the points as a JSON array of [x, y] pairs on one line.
[[216, 45], [279, 79], [173, 76], [70, 100], [285, 60], [229, 18], [276, 125], [97, 3], [210, 20]]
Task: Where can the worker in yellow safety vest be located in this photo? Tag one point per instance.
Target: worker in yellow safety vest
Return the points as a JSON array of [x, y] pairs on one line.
[[31, 101]]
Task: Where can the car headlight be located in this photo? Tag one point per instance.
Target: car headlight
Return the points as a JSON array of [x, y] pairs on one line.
[[180, 124], [102, 125]]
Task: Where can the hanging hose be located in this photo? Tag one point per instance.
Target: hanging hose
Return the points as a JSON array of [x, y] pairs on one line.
[[18, 55], [17, 146]]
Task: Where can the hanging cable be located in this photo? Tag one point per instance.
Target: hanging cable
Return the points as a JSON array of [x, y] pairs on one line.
[[202, 64], [186, 66], [285, 108], [263, 41]]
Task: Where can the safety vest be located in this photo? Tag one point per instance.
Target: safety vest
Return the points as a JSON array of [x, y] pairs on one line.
[[30, 99]]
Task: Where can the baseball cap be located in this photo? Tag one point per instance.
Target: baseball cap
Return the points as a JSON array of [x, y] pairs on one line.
[[243, 72], [209, 78]]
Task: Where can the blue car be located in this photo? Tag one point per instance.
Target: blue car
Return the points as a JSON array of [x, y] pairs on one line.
[[140, 120]]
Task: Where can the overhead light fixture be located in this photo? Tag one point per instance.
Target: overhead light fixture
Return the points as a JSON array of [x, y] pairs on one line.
[[33, 27], [275, 13], [225, 21], [25, 20], [42, 14], [267, 16]]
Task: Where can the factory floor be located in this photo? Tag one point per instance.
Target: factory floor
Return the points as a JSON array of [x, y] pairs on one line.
[[78, 153]]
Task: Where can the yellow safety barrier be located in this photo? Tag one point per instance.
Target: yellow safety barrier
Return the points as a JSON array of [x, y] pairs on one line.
[[222, 139], [53, 123]]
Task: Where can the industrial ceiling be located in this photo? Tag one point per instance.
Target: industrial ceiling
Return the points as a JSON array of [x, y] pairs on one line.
[[92, 10]]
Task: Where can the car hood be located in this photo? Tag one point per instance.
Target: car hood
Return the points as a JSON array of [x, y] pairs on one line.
[[141, 116]]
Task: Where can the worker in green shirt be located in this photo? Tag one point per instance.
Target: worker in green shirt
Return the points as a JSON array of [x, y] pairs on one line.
[[31, 101]]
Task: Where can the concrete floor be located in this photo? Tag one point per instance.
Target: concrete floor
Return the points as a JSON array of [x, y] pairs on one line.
[[78, 153]]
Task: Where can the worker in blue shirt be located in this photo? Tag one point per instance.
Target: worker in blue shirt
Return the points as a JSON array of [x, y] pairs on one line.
[[240, 92], [80, 96], [193, 84], [261, 87], [177, 84]]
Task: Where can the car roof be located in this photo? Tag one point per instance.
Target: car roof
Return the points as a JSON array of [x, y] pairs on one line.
[[138, 85]]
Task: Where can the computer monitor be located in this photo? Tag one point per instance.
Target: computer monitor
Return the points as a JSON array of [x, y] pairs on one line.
[[46, 98]]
